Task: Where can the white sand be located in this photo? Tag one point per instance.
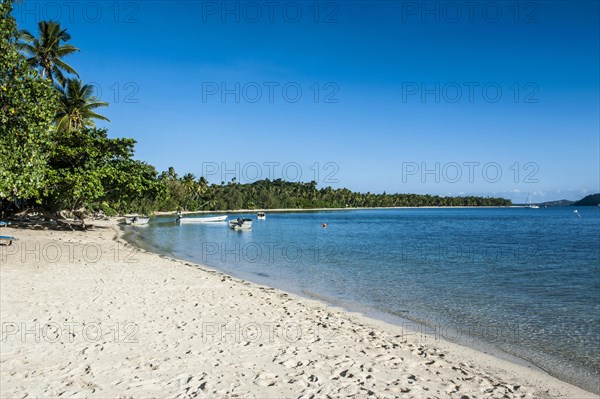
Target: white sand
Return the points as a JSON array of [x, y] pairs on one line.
[[127, 323]]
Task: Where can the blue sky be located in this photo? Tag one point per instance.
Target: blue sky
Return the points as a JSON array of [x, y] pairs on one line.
[[448, 98]]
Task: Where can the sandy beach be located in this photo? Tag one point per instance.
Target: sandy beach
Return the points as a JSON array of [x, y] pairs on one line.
[[85, 314]]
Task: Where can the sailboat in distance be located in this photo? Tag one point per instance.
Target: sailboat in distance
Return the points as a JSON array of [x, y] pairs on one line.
[[529, 204]]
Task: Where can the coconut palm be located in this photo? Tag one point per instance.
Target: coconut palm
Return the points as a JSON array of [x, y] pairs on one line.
[[47, 51], [202, 184], [76, 106], [188, 182]]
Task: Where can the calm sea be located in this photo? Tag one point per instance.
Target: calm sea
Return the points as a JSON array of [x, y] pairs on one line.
[[523, 281]]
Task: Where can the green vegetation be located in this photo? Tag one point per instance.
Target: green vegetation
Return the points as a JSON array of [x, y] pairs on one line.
[[47, 52], [187, 194], [590, 200], [85, 166], [52, 157], [27, 109], [76, 106]]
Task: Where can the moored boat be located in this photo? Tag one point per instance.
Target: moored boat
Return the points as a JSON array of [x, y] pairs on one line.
[[531, 205], [209, 219], [136, 219], [241, 224], [261, 216]]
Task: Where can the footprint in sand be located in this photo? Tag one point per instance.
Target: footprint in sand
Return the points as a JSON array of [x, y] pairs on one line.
[[266, 379]]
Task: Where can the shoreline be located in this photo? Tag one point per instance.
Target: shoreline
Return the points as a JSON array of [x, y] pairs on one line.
[[457, 334], [177, 309], [292, 210], [469, 341]]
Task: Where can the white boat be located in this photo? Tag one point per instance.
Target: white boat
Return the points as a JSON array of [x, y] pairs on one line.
[[241, 224], [7, 240], [261, 216], [209, 219], [137, 220], [529, 204]]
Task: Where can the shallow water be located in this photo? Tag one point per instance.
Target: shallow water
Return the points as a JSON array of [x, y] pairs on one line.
[[526, 281]]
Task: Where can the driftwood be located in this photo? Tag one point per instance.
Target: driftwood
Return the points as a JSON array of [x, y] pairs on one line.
[[30, 214], [63, 220], [73, 224]]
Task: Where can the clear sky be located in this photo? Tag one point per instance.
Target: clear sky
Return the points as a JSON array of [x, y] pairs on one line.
[[452, 97]]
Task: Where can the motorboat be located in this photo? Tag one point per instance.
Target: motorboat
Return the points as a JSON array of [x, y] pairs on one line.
[[241, 224], [136, 219]]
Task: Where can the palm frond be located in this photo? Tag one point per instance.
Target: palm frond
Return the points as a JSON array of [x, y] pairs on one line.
[[66, 50], [62, 123], [96, 105], [63, 65], [26, 36], [94, 115]]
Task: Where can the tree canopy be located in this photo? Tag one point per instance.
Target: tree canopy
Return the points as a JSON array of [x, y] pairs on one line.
[[77, 104], [47, 51], [27, 109], [189, 193]]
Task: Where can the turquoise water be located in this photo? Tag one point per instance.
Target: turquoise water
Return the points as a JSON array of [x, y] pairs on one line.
[[525, 281]]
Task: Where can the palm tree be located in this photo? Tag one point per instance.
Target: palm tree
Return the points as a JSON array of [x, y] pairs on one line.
[[202, 184], [76, 106], [46, 52], [191, 188]]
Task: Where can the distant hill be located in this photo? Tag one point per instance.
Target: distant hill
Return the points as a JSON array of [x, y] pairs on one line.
[[590, 200], [562, 202]]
